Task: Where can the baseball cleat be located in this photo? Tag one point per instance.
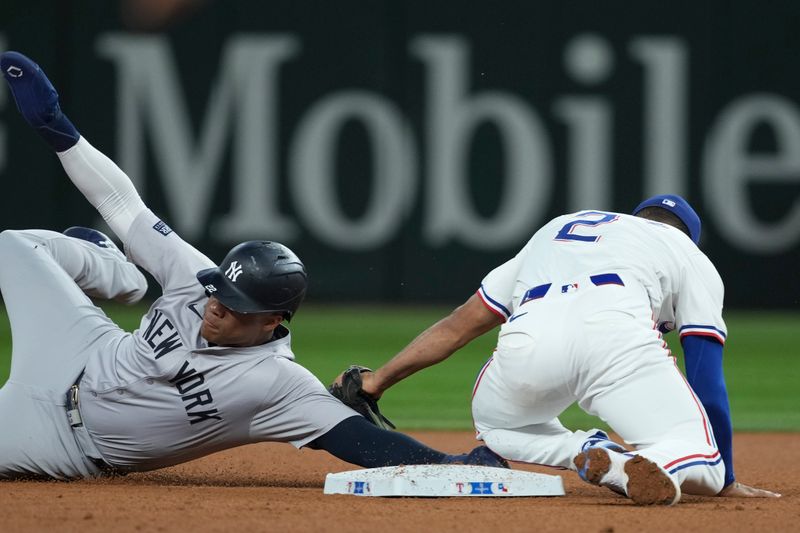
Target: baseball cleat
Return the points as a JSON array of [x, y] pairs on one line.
[[600, 440], [37, 100], [638, 478], [595, 466], [92, 235], [130, 285], [649, 484]]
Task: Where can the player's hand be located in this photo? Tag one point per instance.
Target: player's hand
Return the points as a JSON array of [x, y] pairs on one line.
[[350, 392], [368, 383], [740, 490]]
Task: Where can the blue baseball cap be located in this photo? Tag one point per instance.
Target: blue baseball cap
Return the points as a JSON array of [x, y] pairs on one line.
[[677, 206]]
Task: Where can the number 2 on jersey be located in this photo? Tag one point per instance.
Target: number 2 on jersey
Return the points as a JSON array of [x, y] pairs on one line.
[[566, 232]]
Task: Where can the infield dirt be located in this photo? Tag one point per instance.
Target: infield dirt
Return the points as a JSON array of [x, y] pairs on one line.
[[273, 487]]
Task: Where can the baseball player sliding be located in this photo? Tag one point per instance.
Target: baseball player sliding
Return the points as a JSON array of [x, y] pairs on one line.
[[211, 366], [583, 307]]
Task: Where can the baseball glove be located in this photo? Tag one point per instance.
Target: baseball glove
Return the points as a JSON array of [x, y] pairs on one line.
[[351, 394]]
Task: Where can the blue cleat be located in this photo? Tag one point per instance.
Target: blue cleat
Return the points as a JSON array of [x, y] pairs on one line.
[[91, 235], [37, 101]]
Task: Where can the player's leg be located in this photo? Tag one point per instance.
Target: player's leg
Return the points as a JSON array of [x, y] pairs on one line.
[[658, 415], [505, 421], [634, 385], [541, 369], [54, 325], [527, 384], [55, 328], [36, 440], [101, 181], [98, 267], [37, 101]]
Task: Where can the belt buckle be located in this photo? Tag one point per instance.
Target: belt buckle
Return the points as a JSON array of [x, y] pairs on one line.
[[73, 414]]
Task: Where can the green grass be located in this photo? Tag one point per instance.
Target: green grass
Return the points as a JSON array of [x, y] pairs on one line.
[[761, 363]]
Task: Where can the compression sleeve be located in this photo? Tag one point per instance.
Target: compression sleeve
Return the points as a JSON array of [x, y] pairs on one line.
[[361, 443], [104, 184], [703, 358]]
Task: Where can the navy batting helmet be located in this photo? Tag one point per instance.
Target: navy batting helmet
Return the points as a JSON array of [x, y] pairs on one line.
[[258, 277]]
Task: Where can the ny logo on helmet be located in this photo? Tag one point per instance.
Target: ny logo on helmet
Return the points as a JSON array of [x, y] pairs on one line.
[[233, 271]]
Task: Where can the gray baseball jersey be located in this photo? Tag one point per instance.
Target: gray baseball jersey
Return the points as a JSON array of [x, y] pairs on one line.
[[158, 396]]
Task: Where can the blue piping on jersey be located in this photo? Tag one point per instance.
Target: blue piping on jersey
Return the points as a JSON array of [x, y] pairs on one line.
[[494, 302], [700, 326]]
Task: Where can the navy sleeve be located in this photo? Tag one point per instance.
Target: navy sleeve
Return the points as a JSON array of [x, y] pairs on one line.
[[703, 358], [361, 443]]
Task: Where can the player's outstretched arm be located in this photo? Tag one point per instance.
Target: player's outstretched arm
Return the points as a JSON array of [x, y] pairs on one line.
[[740, 490], [102, 182], [361, 443], [703, 358], [435, 344]]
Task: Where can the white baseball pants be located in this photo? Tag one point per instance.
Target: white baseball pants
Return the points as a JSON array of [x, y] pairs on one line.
[[598, 346]]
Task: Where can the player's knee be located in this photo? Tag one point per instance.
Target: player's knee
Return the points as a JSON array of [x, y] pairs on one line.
[[16, 245], [10, 239]]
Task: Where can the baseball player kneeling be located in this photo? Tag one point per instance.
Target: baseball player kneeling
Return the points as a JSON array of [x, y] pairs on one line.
[[583, 307], [211, 366]]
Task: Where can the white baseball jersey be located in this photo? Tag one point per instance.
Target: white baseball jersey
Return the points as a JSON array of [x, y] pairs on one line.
[[583, 301], [162, 395], [684, 288]]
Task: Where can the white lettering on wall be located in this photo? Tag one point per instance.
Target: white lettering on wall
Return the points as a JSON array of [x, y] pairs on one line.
[[313, 163], [243, 105], [242, 118], [452, 117], [588, 59], [665, 115], [730, 167]]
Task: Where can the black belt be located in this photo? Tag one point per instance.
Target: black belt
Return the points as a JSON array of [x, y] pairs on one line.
[[76, 422]]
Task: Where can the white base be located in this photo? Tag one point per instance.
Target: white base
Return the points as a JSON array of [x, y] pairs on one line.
[[442, 480]]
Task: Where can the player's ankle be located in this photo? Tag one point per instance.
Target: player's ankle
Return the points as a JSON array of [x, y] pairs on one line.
[[37, 101], [59, 133]]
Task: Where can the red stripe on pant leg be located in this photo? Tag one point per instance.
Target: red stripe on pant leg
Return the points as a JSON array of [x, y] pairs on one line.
[[480, 376], [696, 401], [694, 456], [475, 389]]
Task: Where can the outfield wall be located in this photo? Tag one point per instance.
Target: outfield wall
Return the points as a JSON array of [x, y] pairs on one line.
[[404, 148]]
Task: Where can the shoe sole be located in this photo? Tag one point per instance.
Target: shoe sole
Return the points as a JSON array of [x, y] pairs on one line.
[[599, 464], [649, 484]]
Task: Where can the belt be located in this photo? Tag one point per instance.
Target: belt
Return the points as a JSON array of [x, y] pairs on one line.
[[534, 293], [82, 436]]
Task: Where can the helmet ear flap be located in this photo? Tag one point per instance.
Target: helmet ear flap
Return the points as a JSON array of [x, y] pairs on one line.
[[258, 277]]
